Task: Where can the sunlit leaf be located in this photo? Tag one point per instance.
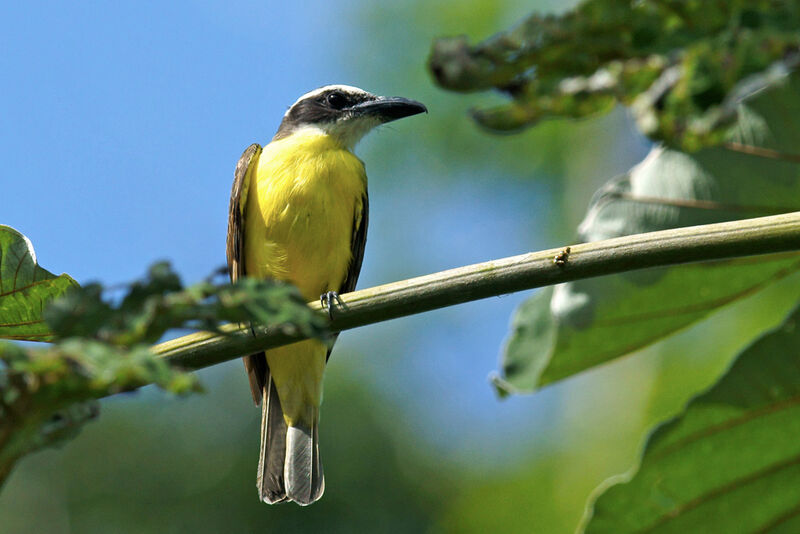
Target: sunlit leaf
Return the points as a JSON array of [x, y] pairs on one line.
[[25, 289], [731, 462]]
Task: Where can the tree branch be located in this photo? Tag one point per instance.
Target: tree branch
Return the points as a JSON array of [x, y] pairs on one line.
[[764, 235]]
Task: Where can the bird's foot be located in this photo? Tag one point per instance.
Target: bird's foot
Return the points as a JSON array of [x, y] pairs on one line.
[[326, 299]]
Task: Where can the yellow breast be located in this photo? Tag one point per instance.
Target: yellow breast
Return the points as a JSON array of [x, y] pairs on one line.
[[302, 202]]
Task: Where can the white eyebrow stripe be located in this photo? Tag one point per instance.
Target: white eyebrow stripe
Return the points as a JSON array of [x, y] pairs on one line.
[[343, 88]]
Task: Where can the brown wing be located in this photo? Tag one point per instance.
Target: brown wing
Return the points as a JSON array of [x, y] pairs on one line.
[[359, 241], [255, 364], [235, 243]]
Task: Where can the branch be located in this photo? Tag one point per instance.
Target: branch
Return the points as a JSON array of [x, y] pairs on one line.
[[764, 235]]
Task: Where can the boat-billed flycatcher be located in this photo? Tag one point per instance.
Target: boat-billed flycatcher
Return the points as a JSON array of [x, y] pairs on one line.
[[298, 212]]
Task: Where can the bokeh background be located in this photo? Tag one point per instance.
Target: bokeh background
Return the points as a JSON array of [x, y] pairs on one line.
[[121, 124]]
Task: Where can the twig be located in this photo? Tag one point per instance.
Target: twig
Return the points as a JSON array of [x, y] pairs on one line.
[[762, 152], [764, 235]]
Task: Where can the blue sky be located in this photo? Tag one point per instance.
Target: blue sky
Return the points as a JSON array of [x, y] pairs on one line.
[[122, 125]]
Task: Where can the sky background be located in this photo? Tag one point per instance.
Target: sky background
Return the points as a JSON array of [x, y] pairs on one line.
[[121, 124]]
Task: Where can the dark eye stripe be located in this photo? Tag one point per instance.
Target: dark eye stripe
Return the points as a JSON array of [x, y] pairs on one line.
[[317, 109]]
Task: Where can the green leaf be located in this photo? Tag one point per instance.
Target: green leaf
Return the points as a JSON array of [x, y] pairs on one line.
[[47, 395], [159, 302], [25, 289], [731, 462], [683, 67], [597, 320]]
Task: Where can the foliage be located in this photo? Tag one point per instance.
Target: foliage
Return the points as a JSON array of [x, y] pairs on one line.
[[582, 324], [25, 289], [695, 75], [160, 303], [682, 66], [210, 455], [102, 344], [730, 463]]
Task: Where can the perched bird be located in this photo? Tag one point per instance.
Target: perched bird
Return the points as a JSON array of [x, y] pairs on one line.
[[298, 212]]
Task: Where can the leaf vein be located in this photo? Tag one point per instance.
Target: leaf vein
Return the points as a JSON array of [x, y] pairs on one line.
[[722, 491], [19, 289], [779, 520], [21, 323], [730, 423], [699, 306]]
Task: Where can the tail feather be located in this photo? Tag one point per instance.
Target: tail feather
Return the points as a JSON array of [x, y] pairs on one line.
[[270, 481], [289, 466], [305, 482]]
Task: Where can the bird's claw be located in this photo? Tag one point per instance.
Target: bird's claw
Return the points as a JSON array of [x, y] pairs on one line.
[[326, 299]]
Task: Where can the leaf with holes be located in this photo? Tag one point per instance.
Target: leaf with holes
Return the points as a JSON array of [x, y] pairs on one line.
[[25, 289], [731, 462]]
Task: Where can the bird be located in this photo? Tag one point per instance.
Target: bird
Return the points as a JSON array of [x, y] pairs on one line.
[[298, 212]]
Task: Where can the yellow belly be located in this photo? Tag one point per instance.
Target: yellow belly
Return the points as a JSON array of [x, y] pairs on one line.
[[302, 201]]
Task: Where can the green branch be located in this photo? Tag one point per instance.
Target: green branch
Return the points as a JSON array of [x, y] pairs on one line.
[[778, 233]]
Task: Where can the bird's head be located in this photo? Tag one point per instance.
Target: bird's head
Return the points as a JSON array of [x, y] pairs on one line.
[[344, 112]]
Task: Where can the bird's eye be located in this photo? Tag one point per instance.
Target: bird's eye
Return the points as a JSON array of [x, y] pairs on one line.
[[336, 100]]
